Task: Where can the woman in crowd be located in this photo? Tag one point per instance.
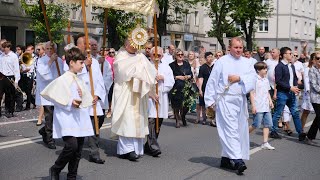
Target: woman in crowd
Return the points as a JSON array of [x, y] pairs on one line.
[[182, 73], [40, 50]]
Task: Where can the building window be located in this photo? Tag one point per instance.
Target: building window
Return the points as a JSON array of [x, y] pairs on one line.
[[238, 26], [302, 6], [196, 18], [295, 5], [310, 29], [7, 1], [74, 14], [305, 28], [186, 18], [309, 7], [296, 27], [263, 26]]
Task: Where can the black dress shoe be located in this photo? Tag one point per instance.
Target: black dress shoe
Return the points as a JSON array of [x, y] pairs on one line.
[[156, 153], [226, 163], [53, 175], [44, 136], [275, 135], [96, 160], [302, 136], [9, 115], [240, 168], [52, 146], [132, 156]]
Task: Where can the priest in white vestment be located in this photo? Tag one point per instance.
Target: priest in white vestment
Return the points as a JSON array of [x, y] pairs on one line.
[[232, 77], [134, 76], [165, 83], [46, 73], [71, 99]]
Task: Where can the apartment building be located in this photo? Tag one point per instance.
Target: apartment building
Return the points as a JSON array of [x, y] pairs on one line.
[[291, 24], [15, 25]]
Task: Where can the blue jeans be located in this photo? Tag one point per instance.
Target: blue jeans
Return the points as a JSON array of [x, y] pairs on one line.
[[262, 118], [289, 99]]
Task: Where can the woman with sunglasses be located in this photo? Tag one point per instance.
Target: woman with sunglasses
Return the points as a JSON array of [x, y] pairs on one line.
[[182, 73]]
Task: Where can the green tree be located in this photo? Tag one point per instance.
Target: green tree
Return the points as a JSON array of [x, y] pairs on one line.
[[220, 12], [119, 25], [57, 16], [248, 13]]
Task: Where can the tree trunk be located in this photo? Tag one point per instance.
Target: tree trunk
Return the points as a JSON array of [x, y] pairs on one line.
[[223, 46]]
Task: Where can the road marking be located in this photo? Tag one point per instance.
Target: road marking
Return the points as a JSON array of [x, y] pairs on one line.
[[20, 121], [257, 149], [19, 142]]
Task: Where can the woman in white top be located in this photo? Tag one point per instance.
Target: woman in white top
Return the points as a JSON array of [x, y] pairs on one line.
[[306, 104]]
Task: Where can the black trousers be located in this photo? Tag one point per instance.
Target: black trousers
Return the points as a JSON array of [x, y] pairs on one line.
[[48, 126], [152, 139], [9, 90], [93, 141], [26, 84], [71, 155], [312, 133]]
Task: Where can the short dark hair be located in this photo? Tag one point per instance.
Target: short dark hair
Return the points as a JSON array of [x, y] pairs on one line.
[[260, 65], [77, 36], [6, 44], [30, 45], [284, 50], [74, 54], [207, 54], [21, 47]]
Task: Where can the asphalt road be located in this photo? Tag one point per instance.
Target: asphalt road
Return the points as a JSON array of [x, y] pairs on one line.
[[191, 152]]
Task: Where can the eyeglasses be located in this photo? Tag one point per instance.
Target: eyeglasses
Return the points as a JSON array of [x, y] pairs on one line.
[[38, 49], [180, 55], [111, 52], [295, 55], [317, 58]]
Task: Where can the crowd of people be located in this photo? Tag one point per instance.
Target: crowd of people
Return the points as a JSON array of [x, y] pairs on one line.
[[127, 87]]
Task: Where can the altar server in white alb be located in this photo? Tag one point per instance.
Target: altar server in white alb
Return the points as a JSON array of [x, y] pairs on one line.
[[232, 77], [98, 99], [71, 120], [165, 83], [46, 73], [134, 77]]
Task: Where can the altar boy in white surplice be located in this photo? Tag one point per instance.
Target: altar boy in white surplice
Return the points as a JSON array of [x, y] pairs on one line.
[[165, 83], [71, 119], [232, 77]]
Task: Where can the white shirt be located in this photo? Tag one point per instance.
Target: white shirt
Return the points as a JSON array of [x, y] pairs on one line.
[[261, 94], [299, 69], [271, 64], [290, 71], [167, 58], [9, 65]]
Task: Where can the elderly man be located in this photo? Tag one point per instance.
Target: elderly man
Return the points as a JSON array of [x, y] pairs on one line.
[[168, 57], [94, 49], [165, 83], [134, 77], [232, 77], [260, 55], [46, 73], [147, 47]]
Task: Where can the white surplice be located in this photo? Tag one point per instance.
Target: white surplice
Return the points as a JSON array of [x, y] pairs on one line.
[[98, 84], [108, 80], [46, 74], [164, 86], [68, 120], [231, 104]]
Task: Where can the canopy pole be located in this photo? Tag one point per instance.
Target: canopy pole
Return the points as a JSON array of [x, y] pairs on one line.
[[96, 123], [156, 63], [104, 36], [44, 12]]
